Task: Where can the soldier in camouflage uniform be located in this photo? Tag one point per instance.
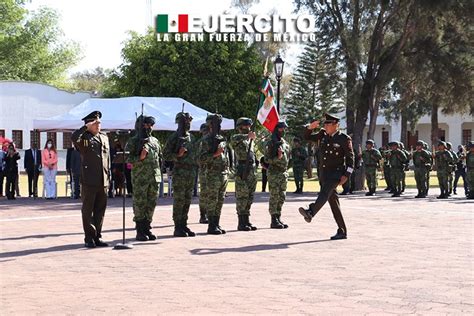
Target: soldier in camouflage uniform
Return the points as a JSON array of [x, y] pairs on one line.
[[405, 165], [454, 160], [422, 161], [204, 130], [213, 155], [385, 151], [180, 149], [470, 170], [277, 155], [397, 165], [145, 152], [426, 147], [443, 167], [371, 159], [245, 179], [298, 158]]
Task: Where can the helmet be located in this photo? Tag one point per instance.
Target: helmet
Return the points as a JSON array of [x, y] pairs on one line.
[[243, 121], [184, 115]]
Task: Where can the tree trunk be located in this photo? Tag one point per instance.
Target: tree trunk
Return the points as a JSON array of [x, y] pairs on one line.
[[351, 97], [404, 130], [434, 125]]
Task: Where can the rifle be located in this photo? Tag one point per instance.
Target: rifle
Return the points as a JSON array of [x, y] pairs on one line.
[[141, 136], [216, 130]]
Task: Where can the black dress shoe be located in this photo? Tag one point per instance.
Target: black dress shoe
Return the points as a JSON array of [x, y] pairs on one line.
[[100, 243], [306, 214], [339, 235], [89, 244]]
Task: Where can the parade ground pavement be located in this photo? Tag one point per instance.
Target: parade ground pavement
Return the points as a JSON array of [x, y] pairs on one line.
[[403, 256]]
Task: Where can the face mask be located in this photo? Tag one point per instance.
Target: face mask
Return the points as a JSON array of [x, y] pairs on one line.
[[245, 130], [49, 146]]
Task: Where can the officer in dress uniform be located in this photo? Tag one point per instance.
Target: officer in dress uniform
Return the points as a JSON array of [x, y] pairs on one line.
[[336, 167], [95, 175]]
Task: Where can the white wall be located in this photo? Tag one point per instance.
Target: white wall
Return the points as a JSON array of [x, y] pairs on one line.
[[21, 102]]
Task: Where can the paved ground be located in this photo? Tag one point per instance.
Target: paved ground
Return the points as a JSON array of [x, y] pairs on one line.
[[402, 256]]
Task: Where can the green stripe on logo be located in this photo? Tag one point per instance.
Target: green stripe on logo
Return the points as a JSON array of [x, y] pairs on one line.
[[162, 23]]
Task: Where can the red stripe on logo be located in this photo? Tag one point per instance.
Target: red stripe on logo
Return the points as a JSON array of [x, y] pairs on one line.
[[183, 23]]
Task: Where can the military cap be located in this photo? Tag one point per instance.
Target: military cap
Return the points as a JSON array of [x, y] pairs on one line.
[[329, 119], [244, 121], [281, 124], [449, 145], [393, 144], [184, 115], [92, 117], [369, 141], [441, 143], [210, 117], [420, 143]]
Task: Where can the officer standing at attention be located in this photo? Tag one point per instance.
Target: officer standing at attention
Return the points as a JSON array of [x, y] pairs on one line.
[[213, 154], [179, 149], [298, 158], [371, 159], [204, 130], [245, 178], [277, 155], [336, 167], [145, 152], [95, 172], [422, 161]]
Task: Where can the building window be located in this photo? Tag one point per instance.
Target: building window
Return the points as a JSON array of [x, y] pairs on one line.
[[67, 143], [412, 139], [384, 138], [17, 137], [2, 133], [466, 136], [441, 134], [35, 138], [52, 136]]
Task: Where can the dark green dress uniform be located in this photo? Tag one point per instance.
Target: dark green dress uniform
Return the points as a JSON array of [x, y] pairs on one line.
[[422, 162], [95, 173], [245, 180], [397, 168], [371, 161], [298, 158], [470, 170], [337, 160], [443, 167], [184, 172]]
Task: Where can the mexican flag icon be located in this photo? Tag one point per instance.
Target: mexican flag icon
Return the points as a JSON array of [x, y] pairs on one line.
[[172, 23]]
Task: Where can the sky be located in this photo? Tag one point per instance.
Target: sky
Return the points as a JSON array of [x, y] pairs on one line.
[[100, 26]]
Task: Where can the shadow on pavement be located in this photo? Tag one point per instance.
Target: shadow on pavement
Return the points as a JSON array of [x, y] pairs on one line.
[[22, 253], [261, 247]]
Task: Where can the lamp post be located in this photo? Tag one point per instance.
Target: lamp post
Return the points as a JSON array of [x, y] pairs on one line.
[[279, 63]]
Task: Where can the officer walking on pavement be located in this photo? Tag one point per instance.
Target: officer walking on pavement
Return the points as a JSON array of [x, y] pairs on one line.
[[95, 175], [337, 165], [245, 178], [145, 154]]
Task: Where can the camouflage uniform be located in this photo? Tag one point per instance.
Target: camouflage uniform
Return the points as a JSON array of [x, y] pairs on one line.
[[422, 161], [443, 167], [277, 174], [146, 178], [386, 167], [298, 158], [397, 165], [470, 170], [454, 160], [217, 169], [405, 164], [245, 180], [184, 172], [202, 180], [371, 159]]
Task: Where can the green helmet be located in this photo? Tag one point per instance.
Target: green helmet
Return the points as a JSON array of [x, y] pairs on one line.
[[184, 115], [370, 141], [243, 121], [212, 117]]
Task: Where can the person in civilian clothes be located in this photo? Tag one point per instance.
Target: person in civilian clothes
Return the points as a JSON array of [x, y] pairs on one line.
[[49, 158], [32, 165]]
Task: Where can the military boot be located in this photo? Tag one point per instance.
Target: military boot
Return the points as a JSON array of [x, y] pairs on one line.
[[247, 220], [218, 226], [149, 234], [179, 229], [141, 232], [341, 234], [276, 223], [279, 219], [242, 226], [187, 230], [203, 218], [212, 226]]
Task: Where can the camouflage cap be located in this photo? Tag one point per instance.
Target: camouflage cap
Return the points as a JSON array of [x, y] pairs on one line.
[[184, 115], [244, 121], [420, 143], [211, 117], [369, 142], [441, 143], [449, 145], [393, 143]]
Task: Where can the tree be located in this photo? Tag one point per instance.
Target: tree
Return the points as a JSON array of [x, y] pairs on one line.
[[95, 80], [31, 45], [316, 87], [217, 76]]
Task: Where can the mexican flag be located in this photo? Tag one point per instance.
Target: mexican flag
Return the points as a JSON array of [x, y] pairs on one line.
[[172, 23], [267, 113]]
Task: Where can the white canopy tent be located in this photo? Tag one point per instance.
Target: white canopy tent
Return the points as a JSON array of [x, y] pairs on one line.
[[120, 114]]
